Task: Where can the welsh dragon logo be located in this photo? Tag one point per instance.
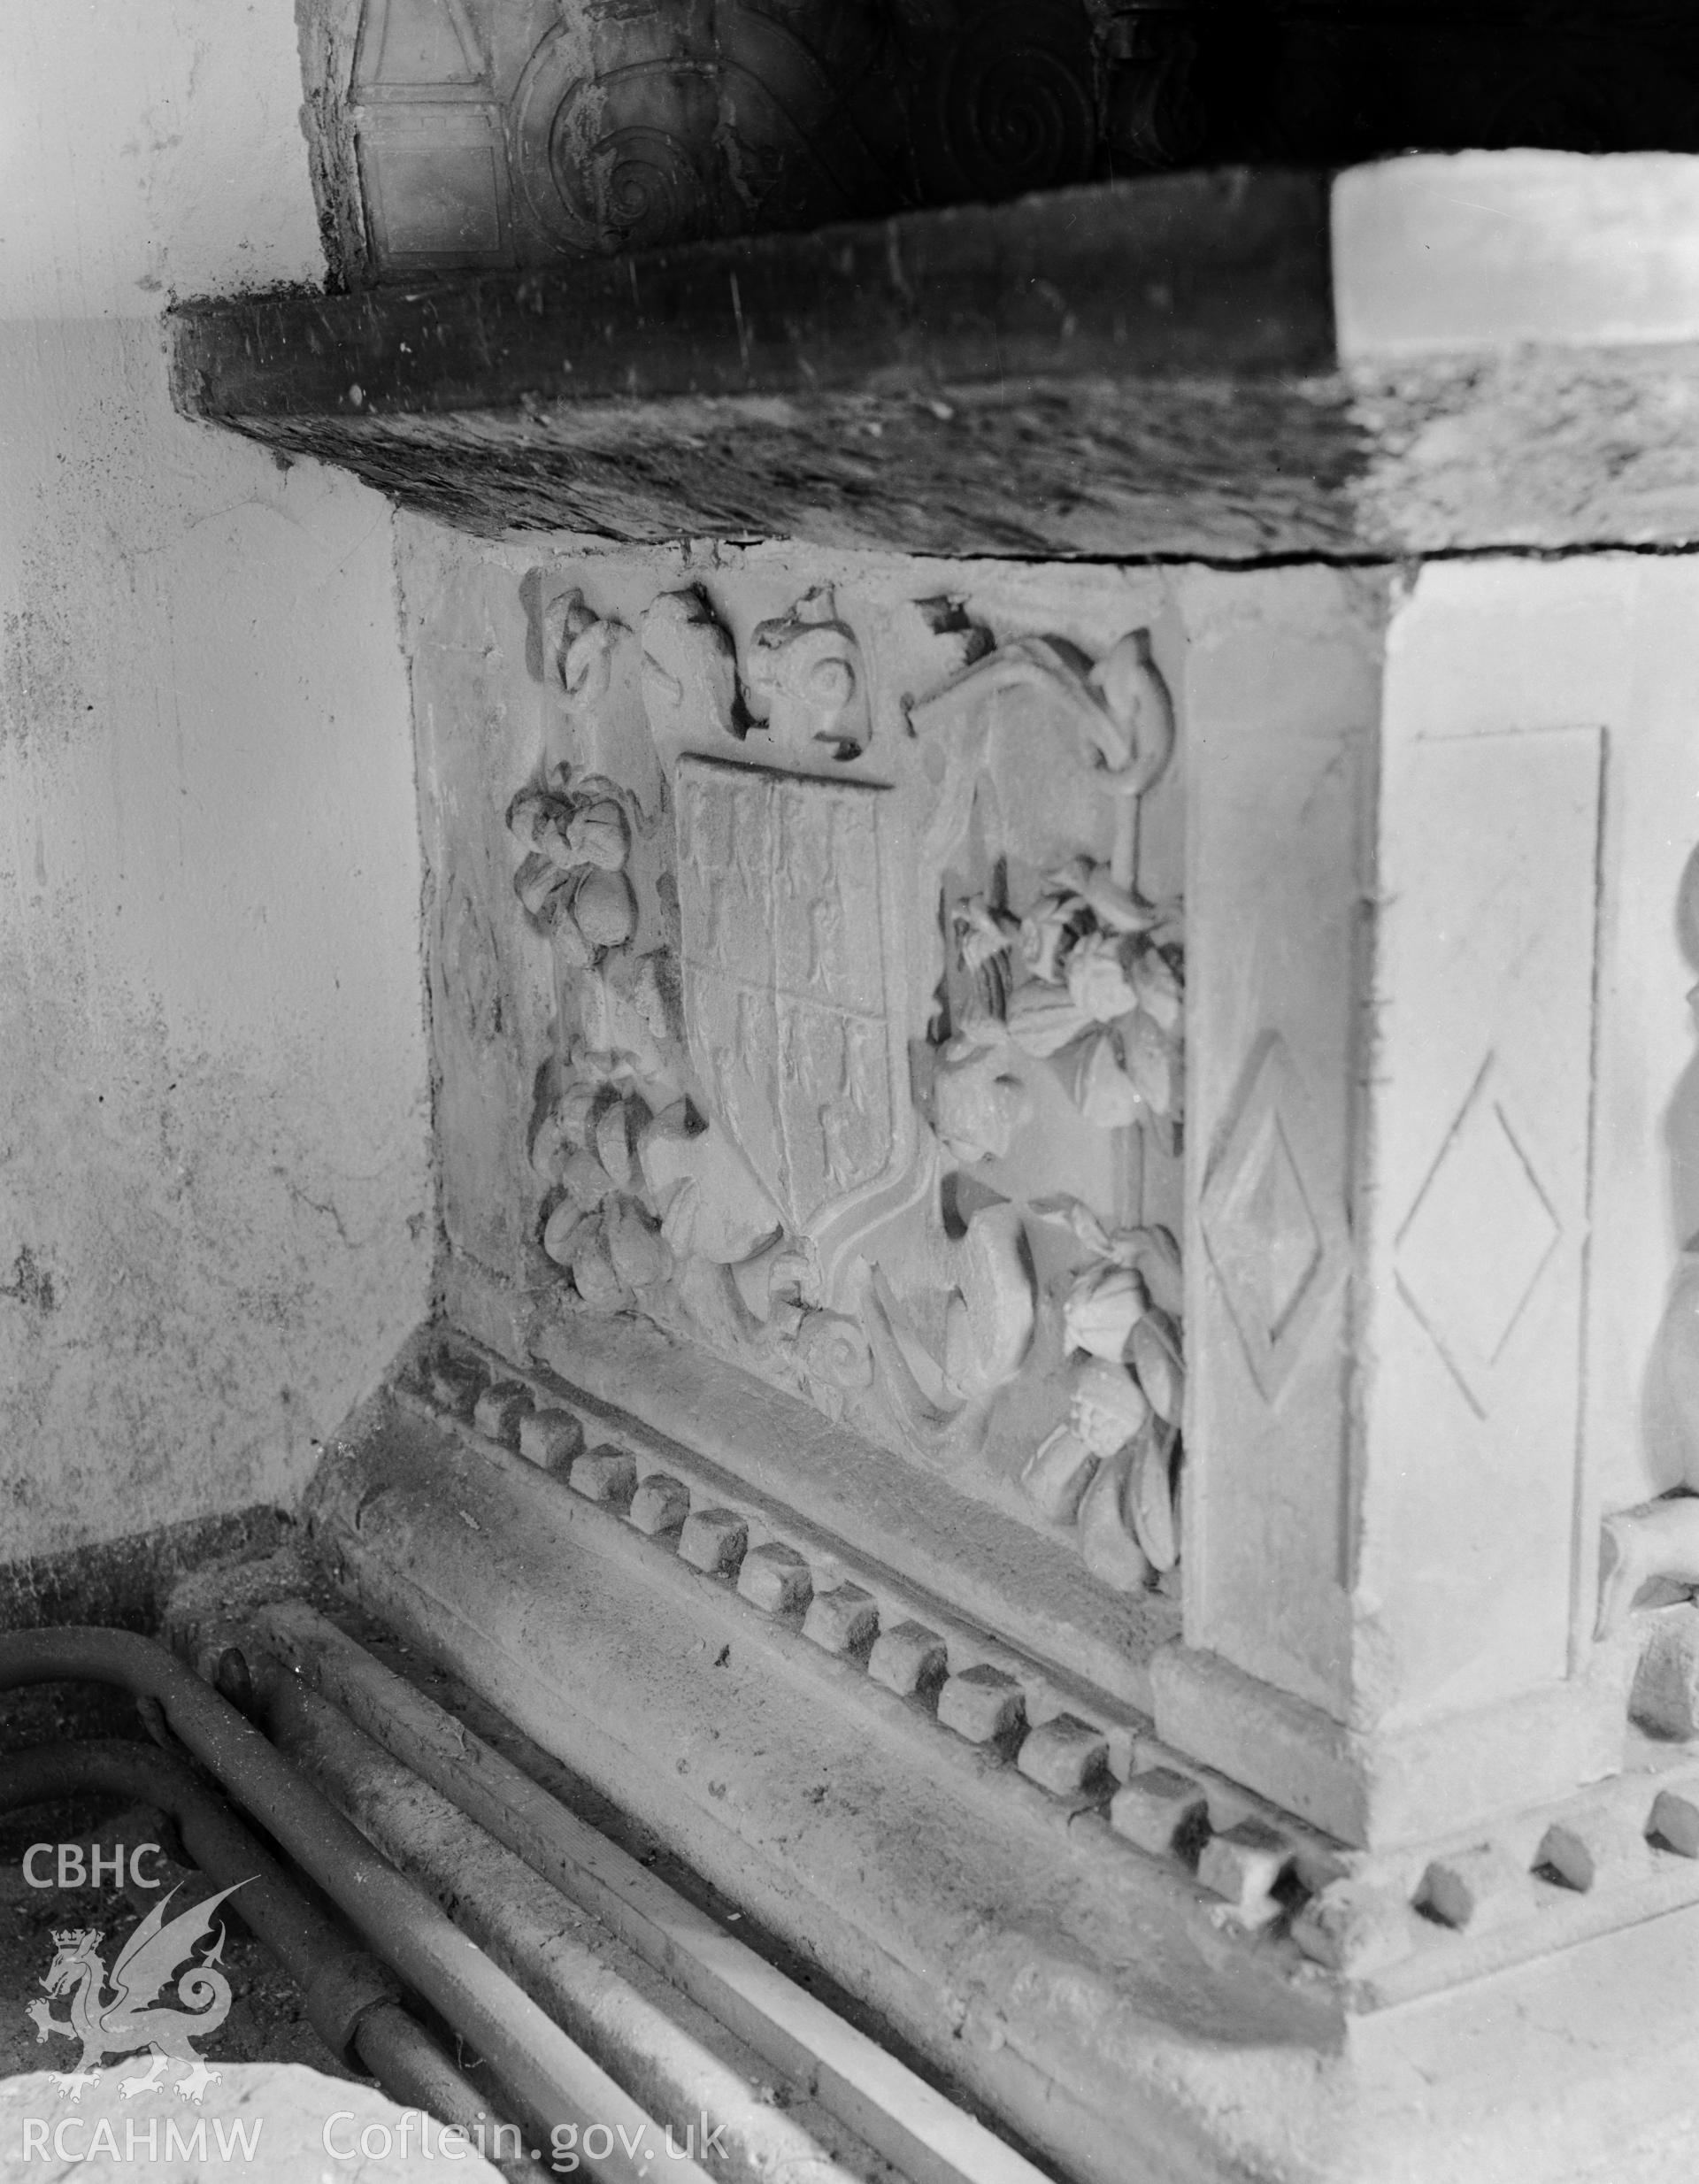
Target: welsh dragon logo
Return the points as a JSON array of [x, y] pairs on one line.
[[117, 2013]]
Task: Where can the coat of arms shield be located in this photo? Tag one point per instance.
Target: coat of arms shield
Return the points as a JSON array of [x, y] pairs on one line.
[[789, 953]]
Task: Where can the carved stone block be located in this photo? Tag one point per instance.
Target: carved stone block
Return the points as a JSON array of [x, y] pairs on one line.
[[1064, 1755], [1355, 1927], [550, 1439], [1243, 1865], [843, 1621], [455, 1385], [606, 1474], [713, 1539], [1600, 1840], [1161, 1810], [982, 1703], [661, 1503], [499, 1411], [775, 1578], [1474, 1889], [1665, 1695], [908, 1659], [1675, 1817]]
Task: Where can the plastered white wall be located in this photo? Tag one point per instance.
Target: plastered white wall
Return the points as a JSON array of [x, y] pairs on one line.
[[146, 147], [215, 1200]]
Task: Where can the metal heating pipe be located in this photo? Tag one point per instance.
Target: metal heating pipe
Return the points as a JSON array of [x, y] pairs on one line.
[[923, 2134], [656, 2045], [545, 2069], [350, 1998]]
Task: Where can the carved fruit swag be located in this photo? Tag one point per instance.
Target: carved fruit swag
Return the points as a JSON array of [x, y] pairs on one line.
[[1112, 1468]]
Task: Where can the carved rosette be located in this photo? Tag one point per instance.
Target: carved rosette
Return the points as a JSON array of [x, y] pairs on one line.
[[764, 1128]]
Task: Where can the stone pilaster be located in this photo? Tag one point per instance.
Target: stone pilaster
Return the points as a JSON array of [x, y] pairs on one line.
[[1393, 896]]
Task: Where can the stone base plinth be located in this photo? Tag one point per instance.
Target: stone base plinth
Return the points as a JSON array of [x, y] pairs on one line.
[[1123, 2002]]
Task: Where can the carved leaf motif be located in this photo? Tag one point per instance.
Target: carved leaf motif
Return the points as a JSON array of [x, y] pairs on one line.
[[1150, 1500], [690, 675], [1157, 989], [617, 1132], [1117, 908], [1097, 980], [1103, 1309], [1044, 1020], [580, 645], [1108, 1407], [539, 821], [639, 1255], [594, 1275], [1156, 1359], [1107, 1541], [598, 835], [1056, 1474], [1075, 1214], [977, 1106], [1151, 1063], [808, 666], [562, 1128], [537, 883], [586, 1181], [1102, 1091], [988, 1326], [560, 1231]]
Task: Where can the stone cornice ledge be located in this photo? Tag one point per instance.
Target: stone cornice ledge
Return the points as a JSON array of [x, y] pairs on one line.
[[1437, 354]]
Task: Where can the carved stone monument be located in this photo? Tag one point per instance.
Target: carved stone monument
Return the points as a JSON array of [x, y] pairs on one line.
[[1067, 1343]]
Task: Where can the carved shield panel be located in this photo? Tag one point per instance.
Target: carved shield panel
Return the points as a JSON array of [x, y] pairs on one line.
[[792, 999]]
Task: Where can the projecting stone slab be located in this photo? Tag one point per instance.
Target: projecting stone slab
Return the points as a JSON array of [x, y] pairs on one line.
[[550, 1439], [661, 1503], [1161, 1810], [605, 1474], [841, 1621], [1665, 1698], [1355, 1927], [907, 1658], [774, 1577], [454, 1385], [982, 1703], [1473, 1888], [713, 1539], [1675, 1817], [1603, 1841], [1064, 1755], [1244, 1864], [499, 1409]]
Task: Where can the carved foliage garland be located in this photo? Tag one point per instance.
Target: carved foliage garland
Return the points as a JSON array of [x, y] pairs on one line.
[[781, 1121]]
